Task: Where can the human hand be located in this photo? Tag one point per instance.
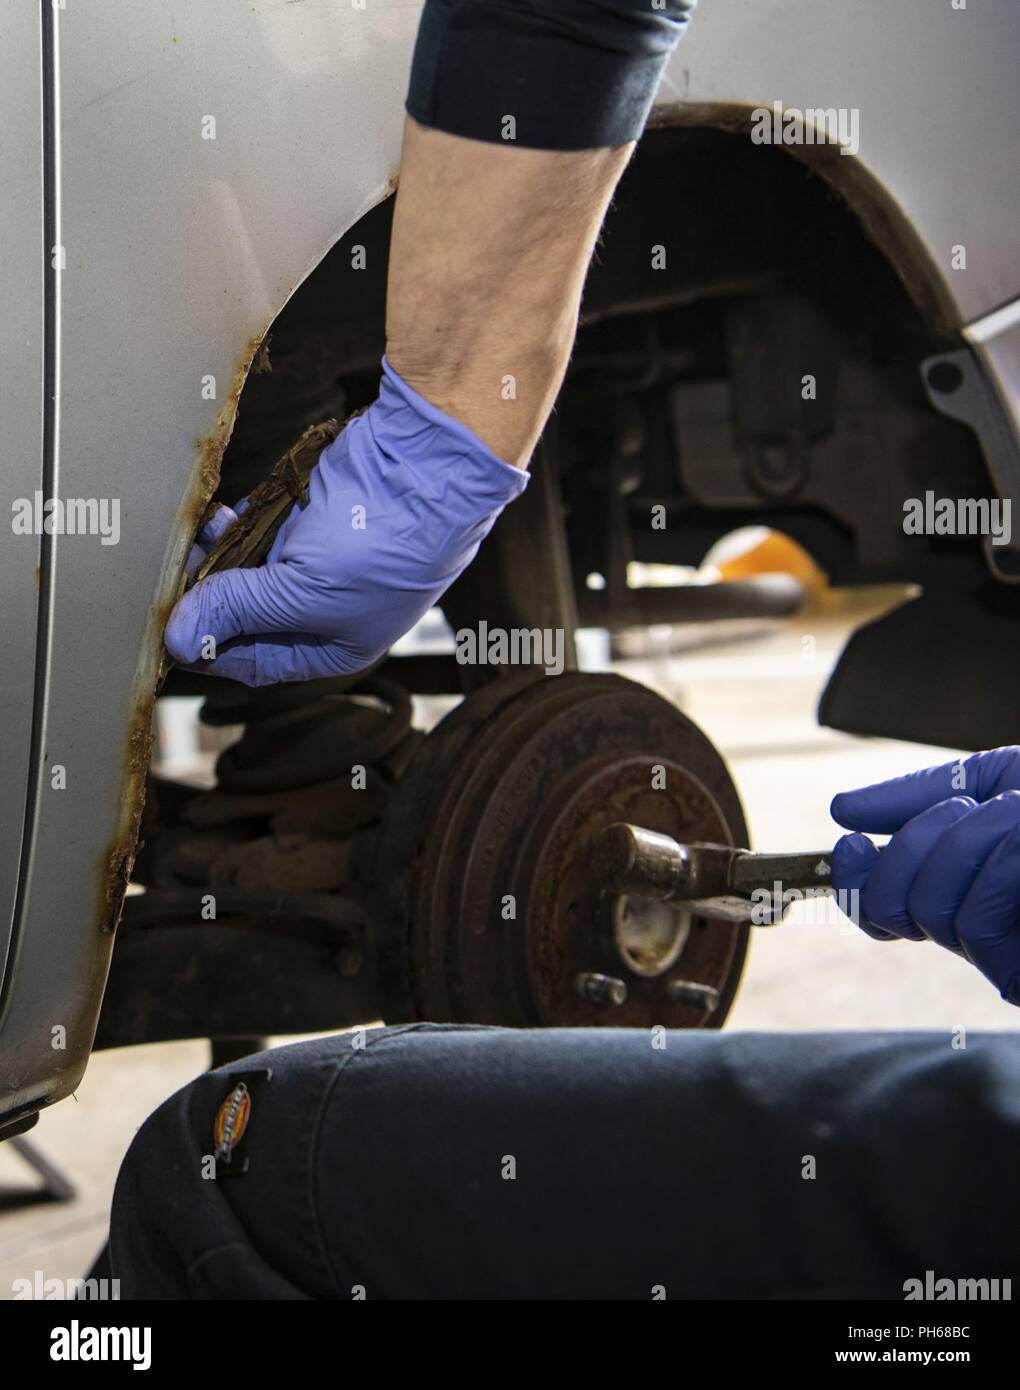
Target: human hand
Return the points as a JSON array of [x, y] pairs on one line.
[[398, 505], [951, 872]]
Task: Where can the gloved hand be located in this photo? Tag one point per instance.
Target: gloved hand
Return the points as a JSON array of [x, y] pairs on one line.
[[951, 872], [398, 506], [210, 533]]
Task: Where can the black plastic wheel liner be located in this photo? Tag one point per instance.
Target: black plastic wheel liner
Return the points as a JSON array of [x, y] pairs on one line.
[[942, 669]]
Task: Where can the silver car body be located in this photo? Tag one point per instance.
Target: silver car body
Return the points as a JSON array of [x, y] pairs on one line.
[[185, 167]]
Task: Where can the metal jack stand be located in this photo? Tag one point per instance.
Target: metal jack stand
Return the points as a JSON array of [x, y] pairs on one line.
[[54, 1187]]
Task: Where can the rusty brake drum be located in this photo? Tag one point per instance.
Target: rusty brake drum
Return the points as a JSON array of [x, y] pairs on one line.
[[487, 909]]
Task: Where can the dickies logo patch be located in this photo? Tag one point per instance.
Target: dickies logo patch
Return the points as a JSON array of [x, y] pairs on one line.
[[231, 1122]]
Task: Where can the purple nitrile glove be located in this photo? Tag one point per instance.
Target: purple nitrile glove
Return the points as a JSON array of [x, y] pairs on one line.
[[951, 872], [397, 507], [210, 532]]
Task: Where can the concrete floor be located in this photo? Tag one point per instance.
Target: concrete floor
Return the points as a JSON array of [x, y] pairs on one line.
[[756, 698]]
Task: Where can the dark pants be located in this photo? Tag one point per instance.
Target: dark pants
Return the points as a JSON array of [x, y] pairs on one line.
[[462, 1162]]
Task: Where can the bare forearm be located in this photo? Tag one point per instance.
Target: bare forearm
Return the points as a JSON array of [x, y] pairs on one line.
[[487, 263]]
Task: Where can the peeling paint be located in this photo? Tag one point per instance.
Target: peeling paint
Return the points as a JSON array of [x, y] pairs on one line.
[[119, 858]]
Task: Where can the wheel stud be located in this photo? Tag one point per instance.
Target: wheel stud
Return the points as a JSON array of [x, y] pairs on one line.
[[601, 989], [690, 992]]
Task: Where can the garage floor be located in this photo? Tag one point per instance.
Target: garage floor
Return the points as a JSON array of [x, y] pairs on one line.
[[755, 696]]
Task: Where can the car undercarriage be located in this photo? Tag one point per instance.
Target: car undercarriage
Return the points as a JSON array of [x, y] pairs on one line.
[[387, 872]]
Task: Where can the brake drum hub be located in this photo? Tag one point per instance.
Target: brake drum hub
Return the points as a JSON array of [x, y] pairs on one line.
[[491, 911]]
